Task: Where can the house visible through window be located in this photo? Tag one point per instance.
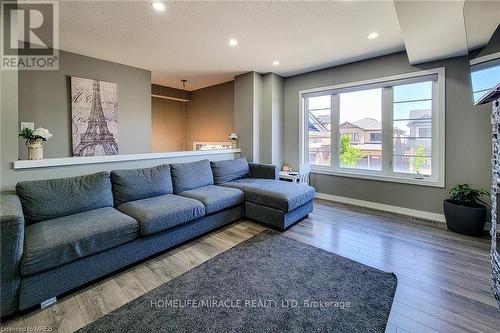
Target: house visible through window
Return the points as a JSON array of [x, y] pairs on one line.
[[386, 129], [360, 111], [412, 116]]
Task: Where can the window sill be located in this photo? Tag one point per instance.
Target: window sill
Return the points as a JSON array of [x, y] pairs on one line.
[[383, 178]]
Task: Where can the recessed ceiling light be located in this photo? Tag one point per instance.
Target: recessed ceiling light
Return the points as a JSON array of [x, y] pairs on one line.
[[276, 62], [233, 42], [373, 35], [158, 5]]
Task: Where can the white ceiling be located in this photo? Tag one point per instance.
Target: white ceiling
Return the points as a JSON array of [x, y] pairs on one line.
[[432, 29], [481, 19], [190, 39]]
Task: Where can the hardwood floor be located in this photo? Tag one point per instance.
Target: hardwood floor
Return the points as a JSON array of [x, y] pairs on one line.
[[443, 278]]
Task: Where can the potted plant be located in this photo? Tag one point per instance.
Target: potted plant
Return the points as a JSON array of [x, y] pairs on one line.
[[465, 211], [34, 140]]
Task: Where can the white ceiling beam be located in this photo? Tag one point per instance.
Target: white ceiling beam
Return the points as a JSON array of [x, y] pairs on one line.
[[432, 30]]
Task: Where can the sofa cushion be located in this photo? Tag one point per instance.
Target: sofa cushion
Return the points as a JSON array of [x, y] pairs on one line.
[[51, 198], [277, 194], [163, 212], [55, 242], [229, 170], [136, 184], [216, 198], [186, 176]]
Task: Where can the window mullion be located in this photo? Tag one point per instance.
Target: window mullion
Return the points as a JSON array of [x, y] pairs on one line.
[[335, 136], [305, 129], [435, 131], [387, 130]]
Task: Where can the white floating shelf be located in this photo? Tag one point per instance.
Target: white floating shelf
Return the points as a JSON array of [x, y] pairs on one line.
[[64, 161]]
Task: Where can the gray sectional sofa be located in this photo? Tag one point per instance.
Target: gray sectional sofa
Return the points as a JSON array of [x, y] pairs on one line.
[[59, 234]]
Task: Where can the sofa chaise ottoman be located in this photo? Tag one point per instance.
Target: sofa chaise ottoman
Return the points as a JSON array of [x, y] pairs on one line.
[[267, 200]]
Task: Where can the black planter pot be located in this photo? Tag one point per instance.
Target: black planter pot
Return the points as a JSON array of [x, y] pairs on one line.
[[464, 220]]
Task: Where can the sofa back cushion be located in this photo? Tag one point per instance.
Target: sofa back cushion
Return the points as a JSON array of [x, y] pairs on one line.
[[229, 170], [51, 198], [136, 184], [187, 176]]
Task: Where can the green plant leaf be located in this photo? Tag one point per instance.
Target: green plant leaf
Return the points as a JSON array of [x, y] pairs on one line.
[[349, 155], [464, 194], [26, 133]]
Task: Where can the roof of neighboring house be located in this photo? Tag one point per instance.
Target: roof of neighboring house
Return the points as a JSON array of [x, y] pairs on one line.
[[316, 124], [417, 116], [367, 124]]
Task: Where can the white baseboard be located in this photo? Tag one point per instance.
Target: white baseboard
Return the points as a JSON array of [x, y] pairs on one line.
[[420, 214]]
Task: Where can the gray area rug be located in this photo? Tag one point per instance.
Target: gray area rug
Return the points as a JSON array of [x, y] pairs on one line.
[[269, 283]]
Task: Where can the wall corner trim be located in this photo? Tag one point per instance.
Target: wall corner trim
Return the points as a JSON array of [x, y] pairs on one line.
[[419, 214]]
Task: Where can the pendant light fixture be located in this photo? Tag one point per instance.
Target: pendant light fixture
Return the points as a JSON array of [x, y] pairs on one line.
[[184, 82]]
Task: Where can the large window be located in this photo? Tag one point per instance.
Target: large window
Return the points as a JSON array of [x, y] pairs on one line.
[[388, 129], [484, 77]]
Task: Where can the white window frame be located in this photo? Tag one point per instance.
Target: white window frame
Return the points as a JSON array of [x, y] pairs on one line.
[[437, 179], [478, 64]]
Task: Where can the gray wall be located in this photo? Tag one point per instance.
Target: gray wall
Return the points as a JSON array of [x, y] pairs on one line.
[[257, 114], [278, 120], [8, 124], [271, 120], [247, 104], [266, 120], [44, 98], [468, 144]]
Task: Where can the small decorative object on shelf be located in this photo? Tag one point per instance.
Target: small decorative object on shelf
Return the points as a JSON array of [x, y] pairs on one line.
[[34, 140], [234, 139]]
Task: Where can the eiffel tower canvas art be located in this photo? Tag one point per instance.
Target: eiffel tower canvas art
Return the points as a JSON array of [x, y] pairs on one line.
[[94, 110]]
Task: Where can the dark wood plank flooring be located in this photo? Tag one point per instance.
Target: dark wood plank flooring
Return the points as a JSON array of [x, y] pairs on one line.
[[443, 278]]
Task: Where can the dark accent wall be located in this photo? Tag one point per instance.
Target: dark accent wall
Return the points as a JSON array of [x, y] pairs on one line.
[[169, 92], [45, 99], [168, 125], [210, 114], [468, 145]]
